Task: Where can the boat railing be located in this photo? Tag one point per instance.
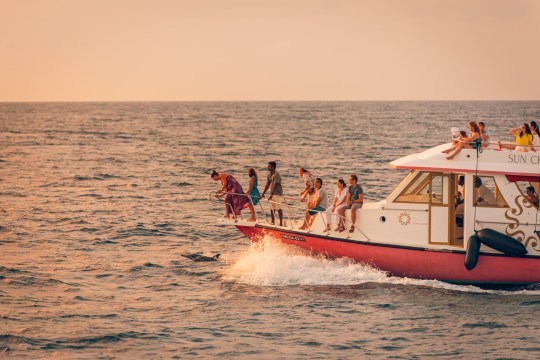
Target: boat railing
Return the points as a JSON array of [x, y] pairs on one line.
[[292, 213]]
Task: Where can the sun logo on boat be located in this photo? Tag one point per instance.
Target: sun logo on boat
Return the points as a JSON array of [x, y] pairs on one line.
[[404, 219]]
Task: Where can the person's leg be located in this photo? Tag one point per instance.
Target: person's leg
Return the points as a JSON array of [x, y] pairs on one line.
[[280, 212], [450, 148], [329, 218], [456, 151], [252, 209], [304, 224], [341, 223], [273, 220], [354, 208]]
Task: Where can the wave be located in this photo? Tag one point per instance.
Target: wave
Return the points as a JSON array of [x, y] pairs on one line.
[[271, 263], [12, 193], [9, 340]]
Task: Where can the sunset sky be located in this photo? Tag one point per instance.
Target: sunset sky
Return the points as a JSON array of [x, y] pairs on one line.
[[136, 50]]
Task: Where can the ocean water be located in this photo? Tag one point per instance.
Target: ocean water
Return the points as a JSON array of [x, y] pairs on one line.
[[99, 201]]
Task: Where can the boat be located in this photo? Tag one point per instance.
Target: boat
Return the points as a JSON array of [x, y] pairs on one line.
[[423, 230]]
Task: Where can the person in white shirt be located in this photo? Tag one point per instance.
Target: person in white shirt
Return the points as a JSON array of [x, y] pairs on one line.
[[339, 204]]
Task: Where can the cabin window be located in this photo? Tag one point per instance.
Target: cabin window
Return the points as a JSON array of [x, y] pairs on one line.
[[439, 189], [530, 191], [486, 193], [417, 191]]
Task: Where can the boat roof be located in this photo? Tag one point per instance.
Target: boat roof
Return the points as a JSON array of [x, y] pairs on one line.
[[490, 161]]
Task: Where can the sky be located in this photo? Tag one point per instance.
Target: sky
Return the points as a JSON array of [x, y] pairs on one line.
[[236, 50]]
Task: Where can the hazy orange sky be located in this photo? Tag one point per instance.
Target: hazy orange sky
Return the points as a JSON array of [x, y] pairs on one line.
[[131, 50]]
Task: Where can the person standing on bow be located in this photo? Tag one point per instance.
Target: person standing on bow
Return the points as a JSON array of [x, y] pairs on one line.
[[253, 193], [235, 200], [273, 182]]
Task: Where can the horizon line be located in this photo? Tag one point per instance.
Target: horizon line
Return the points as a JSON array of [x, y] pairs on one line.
[[237, 101]]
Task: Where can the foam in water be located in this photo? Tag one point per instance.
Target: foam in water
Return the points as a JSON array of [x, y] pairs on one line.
[[271, 263]]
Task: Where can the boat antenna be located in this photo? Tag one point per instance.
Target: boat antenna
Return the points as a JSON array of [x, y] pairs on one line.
[[477, 145]]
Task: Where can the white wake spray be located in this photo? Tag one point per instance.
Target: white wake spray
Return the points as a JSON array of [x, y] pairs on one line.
[[271, 263]]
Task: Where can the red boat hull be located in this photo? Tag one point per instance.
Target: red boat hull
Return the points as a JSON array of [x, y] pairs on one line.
[[412, 262]]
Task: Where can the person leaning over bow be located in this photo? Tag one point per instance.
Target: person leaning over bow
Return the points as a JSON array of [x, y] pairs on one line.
[[464, 141], [355, 199], [231, 188], [273, 181]]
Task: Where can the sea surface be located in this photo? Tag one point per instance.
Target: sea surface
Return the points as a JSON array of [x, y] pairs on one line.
[[99, 201]]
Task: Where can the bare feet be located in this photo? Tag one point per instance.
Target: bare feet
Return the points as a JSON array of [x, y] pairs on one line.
[[328, 228], [447, 151], [450, 157], [351, 230], [252, 219]]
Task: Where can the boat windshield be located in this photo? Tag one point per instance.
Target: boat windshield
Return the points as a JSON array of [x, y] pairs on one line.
[[417, 191]]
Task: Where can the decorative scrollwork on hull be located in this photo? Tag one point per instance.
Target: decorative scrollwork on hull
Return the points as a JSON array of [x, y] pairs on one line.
[[512, 229]]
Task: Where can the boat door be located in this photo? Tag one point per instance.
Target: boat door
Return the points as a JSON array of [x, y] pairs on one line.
[[439, 209]]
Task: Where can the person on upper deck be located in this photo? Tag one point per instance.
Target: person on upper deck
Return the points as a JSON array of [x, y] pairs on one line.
[[308, 179], [355, 199], [252, 192], [273, 182], [465, 142], [536, 135], [234, 200], [532, 196], [484, 196], [524, 137], [484, 134], [338, 207]]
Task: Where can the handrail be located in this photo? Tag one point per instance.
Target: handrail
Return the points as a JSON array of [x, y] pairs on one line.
[[290, 209], [504, 223], [400, 209]]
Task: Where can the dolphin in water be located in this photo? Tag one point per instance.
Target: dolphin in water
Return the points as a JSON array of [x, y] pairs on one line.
[[202, 258]]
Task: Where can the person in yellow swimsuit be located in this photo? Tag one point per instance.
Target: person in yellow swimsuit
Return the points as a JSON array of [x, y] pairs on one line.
[[523, 137]]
